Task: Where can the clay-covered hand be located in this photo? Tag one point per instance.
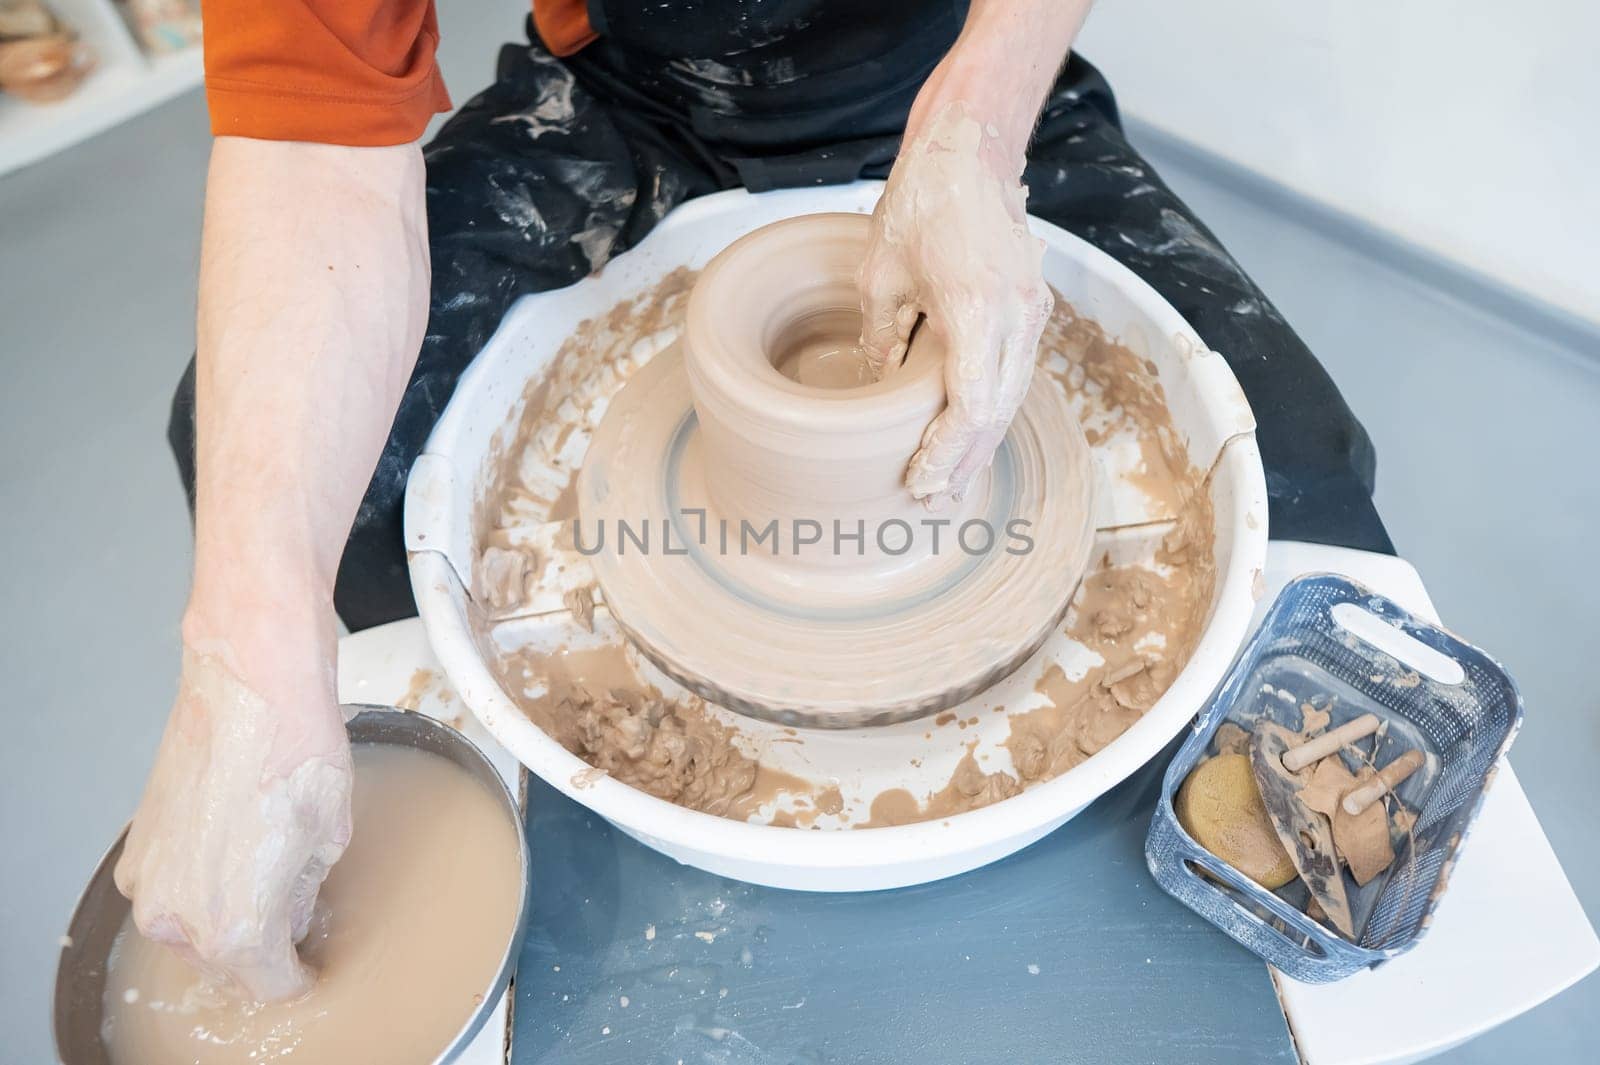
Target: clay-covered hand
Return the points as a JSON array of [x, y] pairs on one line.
[[246, 810], [950, 243]]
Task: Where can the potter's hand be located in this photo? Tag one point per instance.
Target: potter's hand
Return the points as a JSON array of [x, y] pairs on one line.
[[247, 808], [949, 237], [950, 242]]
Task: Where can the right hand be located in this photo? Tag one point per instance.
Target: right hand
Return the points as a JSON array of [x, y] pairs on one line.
[[950, 240], [246, 810]]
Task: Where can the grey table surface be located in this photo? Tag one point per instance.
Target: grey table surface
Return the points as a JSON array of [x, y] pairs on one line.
[[1483, 417], [1065, 952]]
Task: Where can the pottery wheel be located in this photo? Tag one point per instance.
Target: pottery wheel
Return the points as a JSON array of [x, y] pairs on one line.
[[743, 508]]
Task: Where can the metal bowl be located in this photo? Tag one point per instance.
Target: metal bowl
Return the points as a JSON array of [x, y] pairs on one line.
[[102, 909]]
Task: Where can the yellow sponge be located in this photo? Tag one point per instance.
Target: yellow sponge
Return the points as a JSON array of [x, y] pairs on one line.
[[1220, 806]]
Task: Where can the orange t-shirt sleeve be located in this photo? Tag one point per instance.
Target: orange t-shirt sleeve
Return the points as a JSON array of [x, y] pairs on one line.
[[355, 72], [563, 25]]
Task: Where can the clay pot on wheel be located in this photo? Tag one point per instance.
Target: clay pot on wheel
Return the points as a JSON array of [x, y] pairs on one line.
[[812, 588], [793, 428]]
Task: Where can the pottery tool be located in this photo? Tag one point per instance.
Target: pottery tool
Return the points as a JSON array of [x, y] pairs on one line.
[[1306, 835], [1387, 779], [1363, 841], [1314, 750], [1437, 730]]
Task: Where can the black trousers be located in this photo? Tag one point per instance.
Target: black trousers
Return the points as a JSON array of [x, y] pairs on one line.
[[562, 164]]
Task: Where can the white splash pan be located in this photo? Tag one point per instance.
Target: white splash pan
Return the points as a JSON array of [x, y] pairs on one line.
[[1209, 411]]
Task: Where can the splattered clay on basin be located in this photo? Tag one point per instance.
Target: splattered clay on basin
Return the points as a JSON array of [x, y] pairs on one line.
[[1132, 625]]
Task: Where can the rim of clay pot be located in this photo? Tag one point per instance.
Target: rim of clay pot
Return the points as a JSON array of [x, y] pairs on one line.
[[762, 284]]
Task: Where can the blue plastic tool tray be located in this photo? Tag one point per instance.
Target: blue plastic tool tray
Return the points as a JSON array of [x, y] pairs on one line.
[[1440, 695]]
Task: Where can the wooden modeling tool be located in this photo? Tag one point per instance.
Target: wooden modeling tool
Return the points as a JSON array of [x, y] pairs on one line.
[[1298, 757], [1389, 777], [1306, 835]]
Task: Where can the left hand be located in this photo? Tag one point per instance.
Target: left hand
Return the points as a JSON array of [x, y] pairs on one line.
[[246, 810], [950, 241]]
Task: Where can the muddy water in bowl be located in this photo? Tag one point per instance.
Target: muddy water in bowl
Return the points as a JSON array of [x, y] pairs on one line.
[[411, 928]]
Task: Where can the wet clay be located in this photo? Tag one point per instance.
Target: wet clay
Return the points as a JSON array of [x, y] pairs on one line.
[[406, 938], [1117, 610], [1143, 625], [1122, 390], [596, 704], [824, 350], [1143, 621], [531, 471], [712, 428], [969, 788]]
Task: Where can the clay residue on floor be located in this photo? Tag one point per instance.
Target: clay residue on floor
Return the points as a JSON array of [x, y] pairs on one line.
[[421, 681], [430, 686], [1142, 621]]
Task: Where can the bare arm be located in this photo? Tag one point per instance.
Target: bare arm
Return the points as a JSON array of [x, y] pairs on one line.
[[313, 300], [1001, 67], [950, 238]]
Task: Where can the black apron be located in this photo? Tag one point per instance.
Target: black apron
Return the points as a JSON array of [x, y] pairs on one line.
[[788, 92]]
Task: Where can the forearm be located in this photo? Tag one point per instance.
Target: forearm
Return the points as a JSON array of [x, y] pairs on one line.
[[1002, 67], [313, 300]]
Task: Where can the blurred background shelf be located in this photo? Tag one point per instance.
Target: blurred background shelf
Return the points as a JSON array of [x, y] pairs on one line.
[[125, 82]]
